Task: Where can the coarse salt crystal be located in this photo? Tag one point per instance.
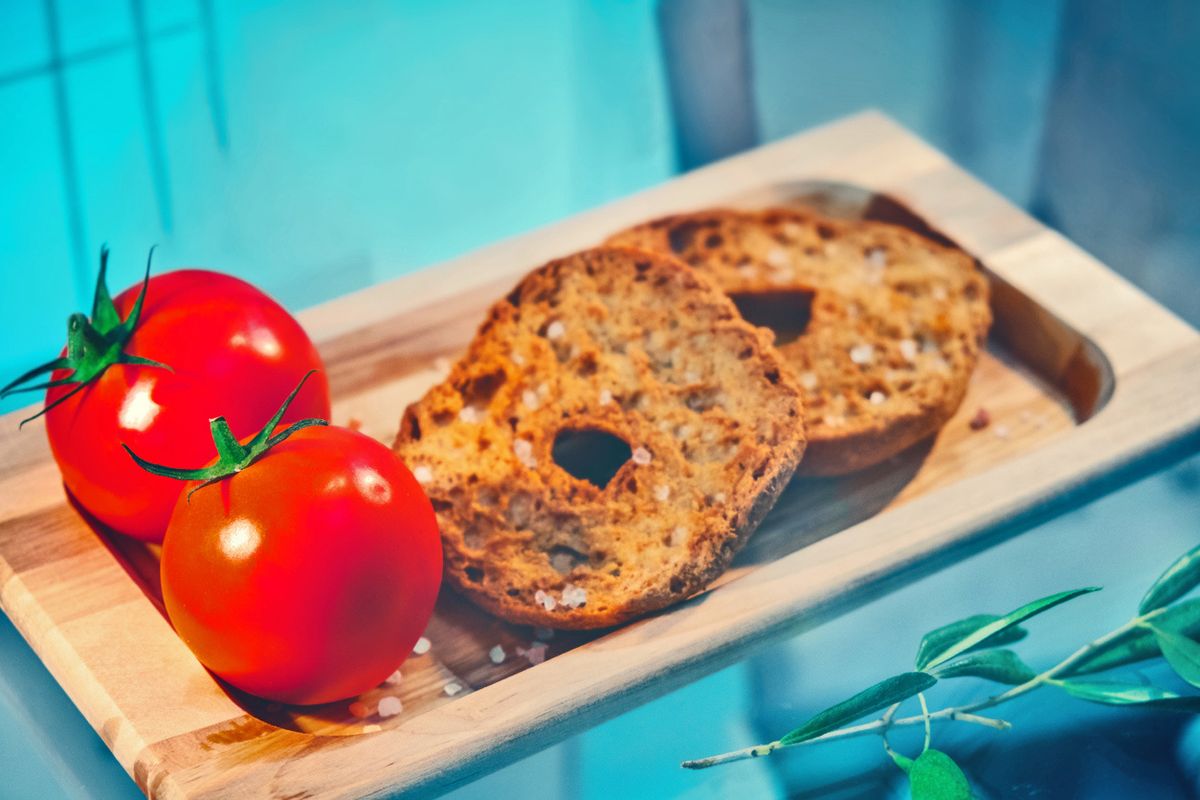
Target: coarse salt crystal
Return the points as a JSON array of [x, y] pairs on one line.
[[709, 436], [421, 647], [497, 655], [422, 473], [470, 414], [939, 293], [877, 257], [782, 276], [719, 498], [908, 349], [545, 600], [530, 399], [543, 389], [746, 271], [778, 258], [536, 654], [390, 706], [641, 456], [679, 536], [452, 688], [573, 596], [862, 353], [833, 421], [683, 431], [662, 493], [523, 448], [877, 397], [605, 397], [395, 678], [808, 380], [555, 330], [543, 634], [691, 376], [518, 359], [1001, 431]]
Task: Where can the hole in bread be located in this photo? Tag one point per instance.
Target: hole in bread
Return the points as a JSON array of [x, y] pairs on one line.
[[474, 574], [474, 536], [590, 454], [786, 313], [478, 390], [680, 237], [564, 559], [587, 364], [413, 427]]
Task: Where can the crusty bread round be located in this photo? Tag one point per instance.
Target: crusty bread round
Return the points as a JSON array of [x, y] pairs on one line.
[[624, 357], [894, 321]]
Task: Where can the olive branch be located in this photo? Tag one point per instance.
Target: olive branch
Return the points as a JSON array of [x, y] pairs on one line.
[[973, 647]]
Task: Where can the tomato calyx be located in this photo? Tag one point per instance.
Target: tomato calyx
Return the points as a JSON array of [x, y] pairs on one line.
[[93, 345], [232, 455]]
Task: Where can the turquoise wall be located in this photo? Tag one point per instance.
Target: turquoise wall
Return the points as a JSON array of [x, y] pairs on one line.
[[313, 148]]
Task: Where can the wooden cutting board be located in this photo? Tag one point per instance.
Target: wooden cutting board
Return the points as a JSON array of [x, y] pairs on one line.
[[1084, 376]]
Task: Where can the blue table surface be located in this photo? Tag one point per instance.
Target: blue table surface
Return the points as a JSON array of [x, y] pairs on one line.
[[319, 148]]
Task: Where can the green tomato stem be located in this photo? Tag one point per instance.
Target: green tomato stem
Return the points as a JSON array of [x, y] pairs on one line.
[[92, 345], [232, 455]]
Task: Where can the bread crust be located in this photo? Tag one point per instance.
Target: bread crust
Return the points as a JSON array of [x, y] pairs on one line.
[[644, 349], [914, 312]]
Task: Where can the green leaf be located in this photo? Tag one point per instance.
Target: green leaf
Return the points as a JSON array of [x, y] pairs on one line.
[[1002, 666], [1179, 579], [1008, 620], [1129, 694], [935, 776], [1183, 618], [1181, 653], [938, 640], [876, 698]]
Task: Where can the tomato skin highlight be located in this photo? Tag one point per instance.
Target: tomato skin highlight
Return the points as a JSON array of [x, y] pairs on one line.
[[233, 351], [308, 576]]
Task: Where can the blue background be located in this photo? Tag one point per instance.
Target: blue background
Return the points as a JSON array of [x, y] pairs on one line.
[[316, 148]]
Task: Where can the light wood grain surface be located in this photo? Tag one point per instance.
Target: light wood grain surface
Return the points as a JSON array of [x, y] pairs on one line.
[[1084, 374]]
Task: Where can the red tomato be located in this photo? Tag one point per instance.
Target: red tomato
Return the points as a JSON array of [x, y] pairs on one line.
[[232, 350], [309, 575]]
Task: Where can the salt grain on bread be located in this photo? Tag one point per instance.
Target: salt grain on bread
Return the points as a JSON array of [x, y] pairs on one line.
[[614, 334], [895, 328]]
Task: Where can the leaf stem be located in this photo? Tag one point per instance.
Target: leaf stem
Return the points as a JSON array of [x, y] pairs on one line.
[[928, 725]]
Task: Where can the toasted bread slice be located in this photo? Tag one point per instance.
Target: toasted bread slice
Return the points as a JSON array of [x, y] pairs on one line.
[[881, 326], [612, 436]]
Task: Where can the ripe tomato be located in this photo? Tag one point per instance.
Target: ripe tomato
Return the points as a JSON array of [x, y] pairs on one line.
[[308, 575], [230, 349]]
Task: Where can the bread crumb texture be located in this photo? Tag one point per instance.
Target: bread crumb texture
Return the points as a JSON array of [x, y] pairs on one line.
[[882, 326], [627, 432]]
